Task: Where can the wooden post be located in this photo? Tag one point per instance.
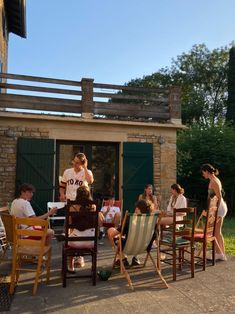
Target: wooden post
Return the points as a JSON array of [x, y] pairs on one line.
[[175, 104], [87, 98]]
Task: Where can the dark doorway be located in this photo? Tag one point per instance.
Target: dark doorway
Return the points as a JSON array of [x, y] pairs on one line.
[[103, 160]]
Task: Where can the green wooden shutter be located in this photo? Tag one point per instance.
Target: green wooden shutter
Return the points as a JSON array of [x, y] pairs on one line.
[[35, 165], [137, 171]]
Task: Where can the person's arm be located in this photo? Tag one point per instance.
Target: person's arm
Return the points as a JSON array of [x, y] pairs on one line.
[[106, 210], [155, 202], [62, 189], [169, 209], [88, 174], [51, 212]]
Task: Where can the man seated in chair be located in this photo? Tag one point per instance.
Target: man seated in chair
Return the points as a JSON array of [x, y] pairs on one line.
[[110, 215], [141, 207], [21, 207]]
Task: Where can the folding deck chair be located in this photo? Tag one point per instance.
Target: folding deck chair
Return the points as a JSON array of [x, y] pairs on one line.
[[140, 233]]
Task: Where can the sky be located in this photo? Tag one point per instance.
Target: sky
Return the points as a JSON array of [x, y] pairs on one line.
[[114, 41]]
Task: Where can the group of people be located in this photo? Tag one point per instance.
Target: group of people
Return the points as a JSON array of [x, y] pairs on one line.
[[75, 183]]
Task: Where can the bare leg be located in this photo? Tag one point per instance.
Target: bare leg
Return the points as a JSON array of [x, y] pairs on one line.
[[219, 246], [112, 232], [50, 235], [116, 219]]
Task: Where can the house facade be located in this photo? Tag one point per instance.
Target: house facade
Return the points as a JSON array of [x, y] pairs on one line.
[[127, 133]]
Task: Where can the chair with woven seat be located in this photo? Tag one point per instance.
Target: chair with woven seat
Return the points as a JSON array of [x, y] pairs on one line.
[[80, 245], [140, 233], [205, 234], [174, 245], [30, 242]]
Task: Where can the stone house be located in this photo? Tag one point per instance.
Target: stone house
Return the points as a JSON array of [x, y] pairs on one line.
[[127, 133]]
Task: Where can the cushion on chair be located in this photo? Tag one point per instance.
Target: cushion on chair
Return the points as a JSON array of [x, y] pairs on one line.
[[179, 241], [196, 236]]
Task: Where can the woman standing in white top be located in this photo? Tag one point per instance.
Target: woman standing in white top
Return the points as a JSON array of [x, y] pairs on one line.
[[215, 198], [177, 200]]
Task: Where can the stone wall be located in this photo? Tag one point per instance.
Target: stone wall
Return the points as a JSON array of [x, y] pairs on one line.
[[8, 155]]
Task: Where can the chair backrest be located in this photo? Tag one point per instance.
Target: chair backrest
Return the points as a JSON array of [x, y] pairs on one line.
[[211, 218], [34, 235], [81, 220], [7, 220], [187, 220], [140, 232], [57, 205]]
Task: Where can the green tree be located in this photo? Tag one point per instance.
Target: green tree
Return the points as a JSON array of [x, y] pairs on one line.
[[202, 76], [203, 144], [230, 116]]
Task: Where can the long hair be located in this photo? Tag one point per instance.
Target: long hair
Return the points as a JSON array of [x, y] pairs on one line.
[[179, 190], [210, 169], [145, 195], [84, 197]]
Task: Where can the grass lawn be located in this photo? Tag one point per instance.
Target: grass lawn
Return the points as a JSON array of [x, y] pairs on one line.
[[229, 235]]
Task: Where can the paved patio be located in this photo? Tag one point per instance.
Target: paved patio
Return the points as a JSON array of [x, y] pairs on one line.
[[212, 291]]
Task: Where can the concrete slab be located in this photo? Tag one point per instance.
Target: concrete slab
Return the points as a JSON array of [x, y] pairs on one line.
[[212, 291]]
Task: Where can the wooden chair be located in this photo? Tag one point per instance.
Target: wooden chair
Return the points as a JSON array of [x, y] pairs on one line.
[[30, 242], [140, 233], [81, 220], [117, 203], [173, 243], [7, 220], [205, 236]]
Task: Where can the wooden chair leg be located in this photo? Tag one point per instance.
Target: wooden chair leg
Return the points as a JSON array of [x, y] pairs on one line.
[[13, 274], [174, 264], [146, 259], [39, 266], [94, 259], [48, 267], [213, 252], [126, 274], [204, 248], [192, 262], [158, 271], [64, 268]]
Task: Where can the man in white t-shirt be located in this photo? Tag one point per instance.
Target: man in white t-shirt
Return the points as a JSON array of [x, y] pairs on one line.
[[74, 177], [110, 213], [21, 207]]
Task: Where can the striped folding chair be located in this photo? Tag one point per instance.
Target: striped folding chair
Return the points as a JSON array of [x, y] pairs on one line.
[[138, 237]]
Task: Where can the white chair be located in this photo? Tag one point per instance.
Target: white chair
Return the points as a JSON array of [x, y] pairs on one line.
[[57, 205]]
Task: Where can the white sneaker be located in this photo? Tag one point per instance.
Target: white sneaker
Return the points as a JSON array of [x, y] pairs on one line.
[[220, 257]]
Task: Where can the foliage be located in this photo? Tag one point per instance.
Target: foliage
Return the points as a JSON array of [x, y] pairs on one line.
[[230, 116], [202, 76], [229, 235], [201, 144]]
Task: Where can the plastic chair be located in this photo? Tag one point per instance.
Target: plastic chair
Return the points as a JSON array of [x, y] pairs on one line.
[[81, 220], [30, 242], [57, 205], [140, 234]]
